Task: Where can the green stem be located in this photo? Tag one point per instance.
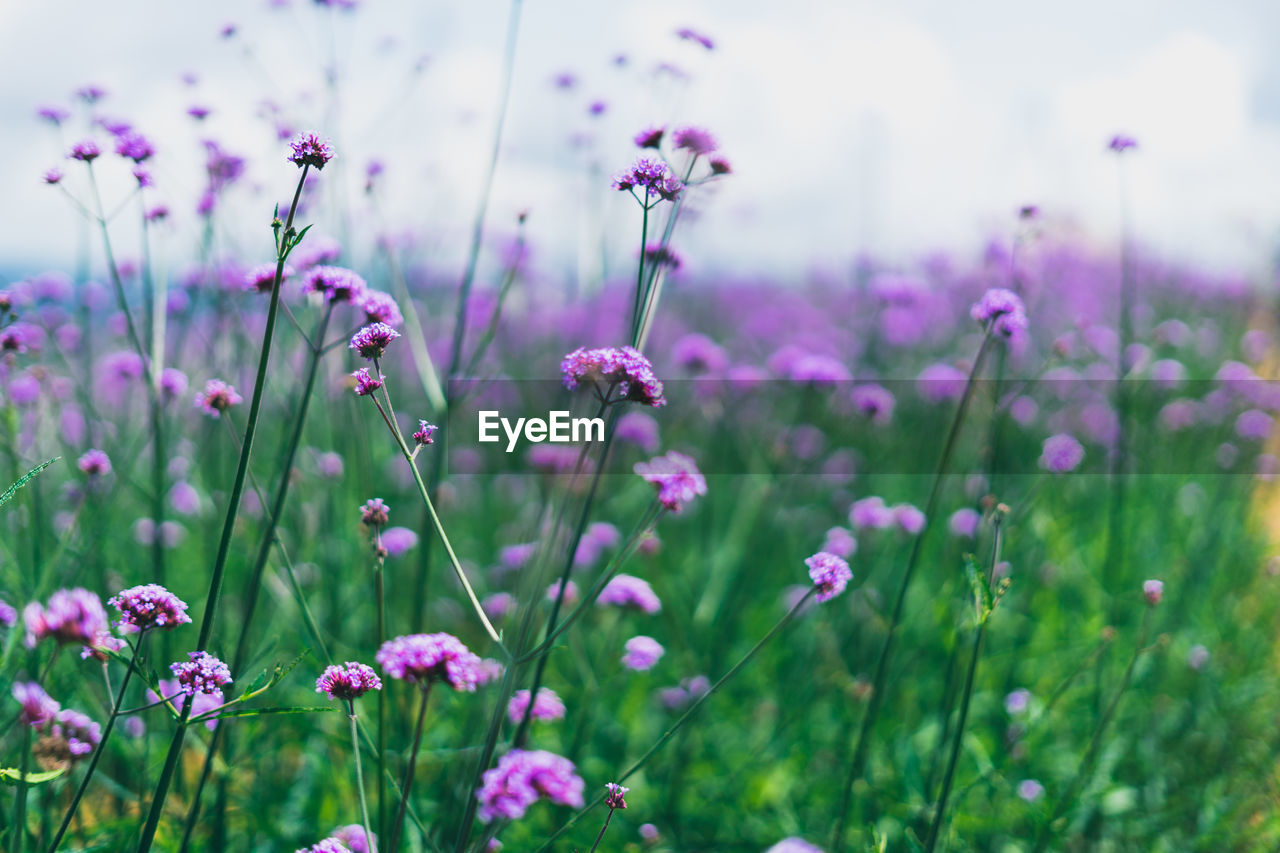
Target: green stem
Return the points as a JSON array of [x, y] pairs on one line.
[[644, 238], [18, 839], [603, 830], [228, 525], [97, 752], [408, 771], [863, 742], [364, 803]]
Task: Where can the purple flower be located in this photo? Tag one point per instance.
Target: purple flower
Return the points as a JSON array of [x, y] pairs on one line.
[[307, 149], [201, 703], [521, 778], [615, 793], [1001, 311], [642, 653], [650, 137], [699, 354], [366, 384], [149, 606], [1061, 453], [547, 706], [830, 574], [570, 592], [326, 845], [100, 645], [874, 402], [1254, 424], [86, 150], [374, 512], [1153, 591], [794, 845], [498, 605], [262, 278], [423, 658], [870, 512], [1017, 701], [203, 673], [840, 542], [425, 434], [91, 94], [71, 616], [379, 307], [719, 165], [372, 341], [8, 615], [198, 112], [338, 284], [939, 382], [686, 34], [353, 836], [217, 397], [173, 382], [397, 540], [818, 370], [695, 140], [1197, 657], [349, 681], [609, 367], [68, 737], [909, 518], [95, 463], [53, 176], [964, 522], [1121, 143], [53, 114], [677, 477], [514, 557], [37, 707], [134, 146], [629, 591], [650, 176], [639, 429]]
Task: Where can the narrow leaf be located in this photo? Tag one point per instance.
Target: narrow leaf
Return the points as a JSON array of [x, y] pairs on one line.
[[13, 490]]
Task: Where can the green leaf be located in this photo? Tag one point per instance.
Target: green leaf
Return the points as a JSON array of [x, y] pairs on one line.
[[983, 597], [12, 775], [256, 712], [13, 490]]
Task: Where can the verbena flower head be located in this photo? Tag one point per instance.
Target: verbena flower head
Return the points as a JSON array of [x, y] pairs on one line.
[[909, 518], [53, 114], [650, 137], [349, 681], [1121, 143], [372, 341], [375, 512], [720, 165], [95, 463], [794, 845], [100, 645], [524, 776], [149, 606], [1061, 453], [307, 149], [873, 401], [695, 140], [379, 307], [203, 673], [687, 34], [629, 591], [71, 616], [366, 383], [262, 278], [614, 794], [353, 836], [134, 146], [326, 845], [37, 707], [337, 284], [830, 574], [217, 397], [1153, 591], [623, 368], [68, 737], [1017, 701], [1030, 790], [650, 180], [425, 434], [53, 176], [1002, 311], [86, 151], [642, 653], [423, 658], [548, 706], [8, 614], [677, 477]]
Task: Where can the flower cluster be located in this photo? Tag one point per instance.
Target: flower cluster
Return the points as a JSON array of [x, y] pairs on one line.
[[608, 367], [37, 707], [307, 149], [652, 177], [262, 278], [642, 653], [1061, 453], [372, 341], [149, 606], [366, 383], [1002, 311], [830, 574], [677, 477], [337, 284], [425, 434], [375, 512], [95, 463], [326, 845], [349, 681], [521, 778], [547, 706], [423, 658], [203, 673], [217, 397], [629, 591], [613, 797], [71, 616]]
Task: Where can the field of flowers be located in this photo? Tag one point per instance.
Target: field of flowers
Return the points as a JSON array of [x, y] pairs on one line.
[[968, 554]]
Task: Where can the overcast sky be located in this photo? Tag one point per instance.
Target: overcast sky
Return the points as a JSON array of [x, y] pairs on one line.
[[889, 128]]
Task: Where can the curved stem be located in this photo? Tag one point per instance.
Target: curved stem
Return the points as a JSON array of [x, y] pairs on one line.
[[408, 771]]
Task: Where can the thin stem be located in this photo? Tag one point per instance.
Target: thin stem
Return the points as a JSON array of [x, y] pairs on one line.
[[940, 812], [640, 289], [863, 742], [408, 771], [228, 525], [687, 715], [603, 829], [97, 752], [19, 837], [364, 803]]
